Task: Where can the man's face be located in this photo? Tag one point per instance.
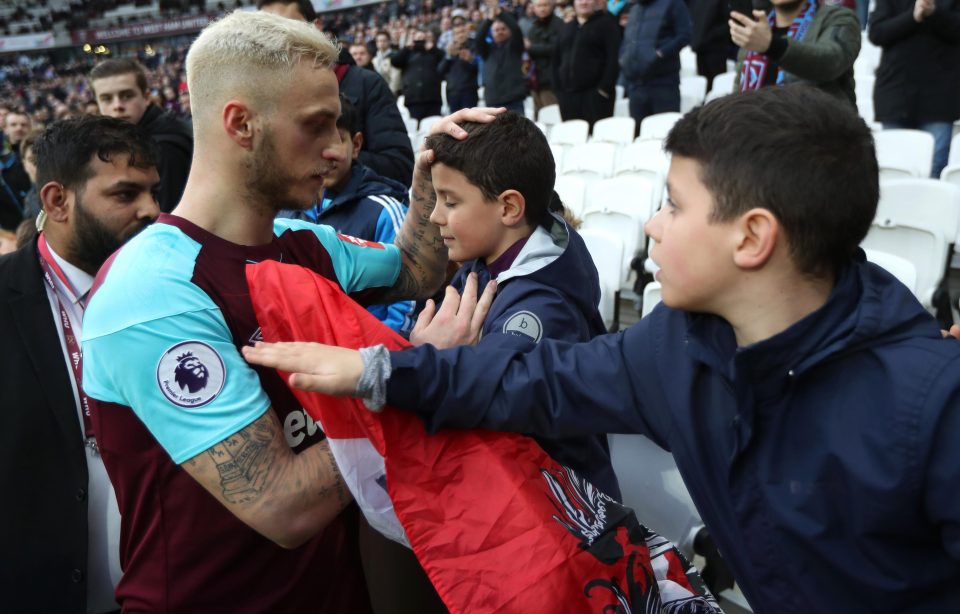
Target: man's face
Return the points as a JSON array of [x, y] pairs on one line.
[[383, 42], [584, 8], [30, 164], [16, 126], [694, 252], [500, 32], [298, 141], [360, 55], [542, 8], [115, 203], [120, 97]]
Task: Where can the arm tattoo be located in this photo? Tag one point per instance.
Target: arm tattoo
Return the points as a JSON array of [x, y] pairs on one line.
[[343, 496], [243, 461]]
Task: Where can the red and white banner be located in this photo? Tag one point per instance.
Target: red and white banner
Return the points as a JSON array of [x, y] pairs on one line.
[[497, 525], [26, 42]]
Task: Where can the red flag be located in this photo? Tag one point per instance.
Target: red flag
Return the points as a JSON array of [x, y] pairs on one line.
[[497, 525]]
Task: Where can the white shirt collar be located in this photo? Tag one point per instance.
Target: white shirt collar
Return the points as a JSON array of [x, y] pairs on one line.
[[80, 280]]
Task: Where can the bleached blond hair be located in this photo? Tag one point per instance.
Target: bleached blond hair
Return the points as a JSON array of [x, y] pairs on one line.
[[251, 55]]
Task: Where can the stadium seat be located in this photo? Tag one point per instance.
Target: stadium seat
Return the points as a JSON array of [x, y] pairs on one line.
[[904, 153], [589, 160], [651, 296], [917, 219], [572, 191], [693, 91], [558, 152], [901, 268], [951, 174], [657, 126], [616, 130], [723, 84], [864, 93], [688, 62], [954, 148], [570, 132], [645, 158], [621, 108], [550, 115], [606, 249], [427, 122]]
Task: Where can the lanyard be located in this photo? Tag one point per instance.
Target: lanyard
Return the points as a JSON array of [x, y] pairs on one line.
[[51, 268]]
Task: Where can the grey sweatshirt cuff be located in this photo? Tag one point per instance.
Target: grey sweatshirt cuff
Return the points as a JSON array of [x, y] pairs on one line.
[[372, 385]]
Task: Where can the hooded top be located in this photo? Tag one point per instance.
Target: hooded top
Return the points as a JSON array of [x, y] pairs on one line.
[[370, 207], [174, 139], [823, 459], [550, 291]]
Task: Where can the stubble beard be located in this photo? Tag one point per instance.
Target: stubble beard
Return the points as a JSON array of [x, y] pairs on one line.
[[268, 184]]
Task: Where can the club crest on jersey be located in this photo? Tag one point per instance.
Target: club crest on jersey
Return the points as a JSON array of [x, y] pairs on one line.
[[524, 323], [191, 374], [360, 242]]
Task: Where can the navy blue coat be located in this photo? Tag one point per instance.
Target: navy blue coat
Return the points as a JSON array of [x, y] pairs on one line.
[[824, 460], [551, 291]]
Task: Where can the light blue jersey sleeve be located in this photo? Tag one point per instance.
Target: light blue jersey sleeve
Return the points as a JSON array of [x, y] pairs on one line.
[[358, 264], [155, 342], [398, 315]]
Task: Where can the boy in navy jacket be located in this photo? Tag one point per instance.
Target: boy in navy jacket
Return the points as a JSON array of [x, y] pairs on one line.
[[360, 203], [809, 400]]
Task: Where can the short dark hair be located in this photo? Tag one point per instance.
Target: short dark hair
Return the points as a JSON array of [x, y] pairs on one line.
[[509, 153], [802, 154], [349, 118], [304, 6], [115, 67], [64, 150]]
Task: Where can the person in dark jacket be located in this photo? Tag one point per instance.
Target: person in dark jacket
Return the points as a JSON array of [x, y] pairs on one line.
[[120, 87], [809, 400], [710, 38], [387, 149], [650, 56], [541, 44], [15, 183], [358, 202], [585, 64], [459, 70], [918, 80], [420, 63], [502, 59]]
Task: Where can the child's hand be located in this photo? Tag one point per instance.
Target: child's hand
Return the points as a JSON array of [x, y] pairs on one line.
[[313, 366], [459, 320]]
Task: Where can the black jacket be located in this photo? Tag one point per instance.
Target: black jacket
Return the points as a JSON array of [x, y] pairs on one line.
[[502, 64], [460, 75], [43, 468], [174, 139], [421, 74], [543, 36], [586, 55], [919, 74], [711, 32], [386, 146]]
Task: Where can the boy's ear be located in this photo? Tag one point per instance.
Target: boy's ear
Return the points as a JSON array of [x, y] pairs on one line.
[[759, 232], [514, 208], [357, 144]]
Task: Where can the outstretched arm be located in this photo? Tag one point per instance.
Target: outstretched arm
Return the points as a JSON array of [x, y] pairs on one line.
[[423, 257]]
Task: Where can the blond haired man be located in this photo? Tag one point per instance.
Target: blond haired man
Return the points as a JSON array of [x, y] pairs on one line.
[[230, 499]]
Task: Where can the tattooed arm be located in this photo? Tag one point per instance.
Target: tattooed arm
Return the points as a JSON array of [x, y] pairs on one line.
[[423, 257], [286, 497]]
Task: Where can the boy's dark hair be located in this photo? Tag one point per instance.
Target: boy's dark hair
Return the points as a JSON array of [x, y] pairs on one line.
[[804, 155], [113, 68], [304, 6], [509, 153], [349, 119], [64, 150]]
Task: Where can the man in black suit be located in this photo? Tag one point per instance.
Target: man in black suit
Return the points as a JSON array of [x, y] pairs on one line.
[[58, 525]]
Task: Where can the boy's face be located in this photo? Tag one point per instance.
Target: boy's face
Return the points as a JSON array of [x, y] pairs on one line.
[[469, 224], [344, 153], [695, 254], [119, 96]]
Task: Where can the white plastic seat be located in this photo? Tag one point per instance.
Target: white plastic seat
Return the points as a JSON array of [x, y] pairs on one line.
[[954, 157], [572, 191], [722, 85], [411, 124], [864, 94], [570, 132], [606, 249], [550, 115], [657, 126], [901, 268], [621, 108], [620, 206], [904, 151], [590, 160], [688, 62], [558, 152], [616, 130], [651, 296], [645, 158], [693, 91], [427, 122], [951, 174], [621, 92], [917, 219]]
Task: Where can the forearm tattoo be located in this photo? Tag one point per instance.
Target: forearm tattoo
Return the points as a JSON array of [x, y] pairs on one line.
[[243, 461]]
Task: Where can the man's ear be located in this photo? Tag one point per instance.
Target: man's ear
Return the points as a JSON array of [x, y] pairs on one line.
[[53, 197], [514, 207], [238, 123], [759, 232], [357, 144]]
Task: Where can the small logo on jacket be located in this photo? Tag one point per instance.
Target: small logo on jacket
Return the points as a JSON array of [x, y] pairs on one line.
[[358, 241], [524, 323], [191, 374]]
